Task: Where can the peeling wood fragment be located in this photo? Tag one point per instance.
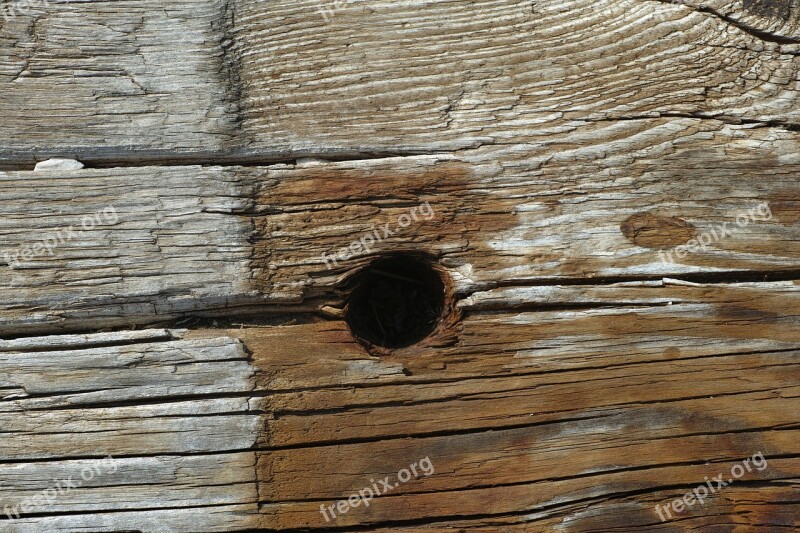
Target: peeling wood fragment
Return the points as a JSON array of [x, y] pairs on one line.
[[58, 165]]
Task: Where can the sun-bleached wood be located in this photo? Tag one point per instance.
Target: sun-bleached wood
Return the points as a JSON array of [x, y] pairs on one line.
[[131, 482], [211, 519], [565, 149], [213, 80], [167, 369], [115, 81], [122, 246], [410, 77], [127, 421], [117, 397], [244, 239], [495, 399]]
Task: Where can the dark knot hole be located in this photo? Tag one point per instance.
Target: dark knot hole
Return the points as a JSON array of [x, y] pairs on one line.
[[397, 302]]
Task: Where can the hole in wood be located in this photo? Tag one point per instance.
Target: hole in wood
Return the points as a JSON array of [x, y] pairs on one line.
[[397, 302]]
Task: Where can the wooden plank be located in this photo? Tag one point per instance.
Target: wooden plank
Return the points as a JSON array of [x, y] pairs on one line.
[[110, 83], [756, 508], [115, 81], [531, 498], [368, 433], [200, 426], [97, 428], [563, 150], [503, 443], [704, 320], [240, 238], [98, 248], [163, 397], [730, 321], [212, 519], [117, 484], [322, 417], [506, 215], [361, 77], [676, 415], [141, 367]]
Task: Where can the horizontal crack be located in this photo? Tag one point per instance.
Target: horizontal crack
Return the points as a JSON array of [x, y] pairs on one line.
[[223, 159], [716, 278], [726, 119], [762, 35]]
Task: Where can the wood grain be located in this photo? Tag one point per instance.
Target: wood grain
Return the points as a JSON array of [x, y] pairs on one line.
[[98, 429], [322, 422], [614, 335], [122, 248], [753, 508], [405, 77], [254, 239], [115, 81], [109, 83]]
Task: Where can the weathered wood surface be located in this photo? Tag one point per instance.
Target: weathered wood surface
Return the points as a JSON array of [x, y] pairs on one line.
[[114, 81], [240, 238], [112, 248], [213, 80], [409, 76], [579, 381], [314, 426]]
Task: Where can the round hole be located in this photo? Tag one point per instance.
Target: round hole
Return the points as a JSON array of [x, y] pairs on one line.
[[397, 302]]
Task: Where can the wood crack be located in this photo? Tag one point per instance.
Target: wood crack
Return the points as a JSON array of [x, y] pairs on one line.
[[724, 118], [731, 21]]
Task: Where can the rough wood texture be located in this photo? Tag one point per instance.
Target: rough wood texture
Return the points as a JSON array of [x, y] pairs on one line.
[[239, 238], [157, 422], [261, 81], [115, 81], [146, 250], [418, 76], [593, 363], [318, 424]]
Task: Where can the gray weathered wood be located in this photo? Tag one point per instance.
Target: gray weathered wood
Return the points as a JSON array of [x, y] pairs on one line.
[[215, 80], [564, 149], [240, 238], [146, 250], [108, 422], [115, 81]]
